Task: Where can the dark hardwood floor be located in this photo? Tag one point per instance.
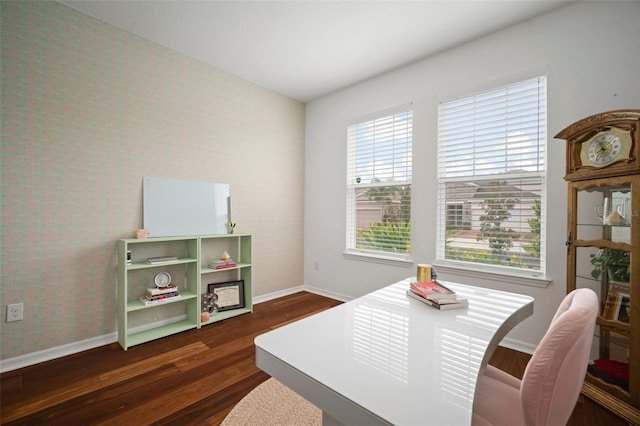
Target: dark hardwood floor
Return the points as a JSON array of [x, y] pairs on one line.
[[191, 378]]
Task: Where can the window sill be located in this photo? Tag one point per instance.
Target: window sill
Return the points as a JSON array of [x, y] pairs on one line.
[[508, 277], [398, 260]]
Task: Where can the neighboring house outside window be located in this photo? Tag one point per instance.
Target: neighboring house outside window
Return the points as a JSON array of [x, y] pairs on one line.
[[379, 185], [491, 179]]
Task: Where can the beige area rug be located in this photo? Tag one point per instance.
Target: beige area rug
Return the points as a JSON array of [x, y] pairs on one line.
[[273, 404]]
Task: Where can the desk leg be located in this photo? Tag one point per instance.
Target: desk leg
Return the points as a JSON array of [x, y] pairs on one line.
[[327, 420]]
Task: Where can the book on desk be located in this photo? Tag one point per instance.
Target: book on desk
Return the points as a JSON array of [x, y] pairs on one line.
[[436, 295]]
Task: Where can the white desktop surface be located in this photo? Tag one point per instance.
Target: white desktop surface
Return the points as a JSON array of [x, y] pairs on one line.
[[385, 358]]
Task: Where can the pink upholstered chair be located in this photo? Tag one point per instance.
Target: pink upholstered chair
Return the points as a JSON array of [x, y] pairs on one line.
[[553, 377]]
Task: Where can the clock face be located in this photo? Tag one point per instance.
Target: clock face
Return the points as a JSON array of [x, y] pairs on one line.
[[605, 148], [162, 279]]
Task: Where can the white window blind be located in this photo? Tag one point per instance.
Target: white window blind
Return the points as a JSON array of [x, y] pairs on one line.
[[491, 177], [379, 184]]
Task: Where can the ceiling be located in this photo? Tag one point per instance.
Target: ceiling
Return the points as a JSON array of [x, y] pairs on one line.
[[306, 49]]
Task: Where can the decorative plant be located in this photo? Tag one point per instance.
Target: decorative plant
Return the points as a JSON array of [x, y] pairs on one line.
[[615, 261]]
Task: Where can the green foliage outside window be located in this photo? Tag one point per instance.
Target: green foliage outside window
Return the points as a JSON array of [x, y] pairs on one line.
[[386, 236], [497, 210], [393, 233], [500, 239], [533, 249]]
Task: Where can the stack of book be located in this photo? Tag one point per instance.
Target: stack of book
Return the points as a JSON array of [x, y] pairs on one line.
[[157, 295], [437, 295], [222, 264]]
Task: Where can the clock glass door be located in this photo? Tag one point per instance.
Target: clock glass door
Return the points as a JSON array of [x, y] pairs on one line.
[[601, 260]]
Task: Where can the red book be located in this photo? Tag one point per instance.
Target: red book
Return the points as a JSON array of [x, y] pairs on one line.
[[432, 290], [227, 265]]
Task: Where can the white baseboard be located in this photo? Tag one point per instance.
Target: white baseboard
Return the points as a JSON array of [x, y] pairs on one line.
[[293, 290], [73, 348], [56, 352], [277, 294], [33, 358], [518, 345], [329, 294]]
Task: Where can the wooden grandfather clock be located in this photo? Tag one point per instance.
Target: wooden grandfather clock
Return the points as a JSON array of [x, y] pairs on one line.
[[603, 249]]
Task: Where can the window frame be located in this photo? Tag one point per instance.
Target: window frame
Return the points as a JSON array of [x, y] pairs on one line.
[[351, 250], [536, 277]]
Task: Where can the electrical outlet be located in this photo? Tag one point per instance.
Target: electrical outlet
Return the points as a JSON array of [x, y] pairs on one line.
[[15, 312]]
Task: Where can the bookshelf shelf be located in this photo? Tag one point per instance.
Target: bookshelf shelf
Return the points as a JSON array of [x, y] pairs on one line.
[[239, 247], [135, 305], [158, 332]]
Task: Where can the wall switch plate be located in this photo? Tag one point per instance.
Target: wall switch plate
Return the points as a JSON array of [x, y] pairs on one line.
[[15, 312]]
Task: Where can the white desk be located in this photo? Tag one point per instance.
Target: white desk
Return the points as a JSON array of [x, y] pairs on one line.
[[385, 358]]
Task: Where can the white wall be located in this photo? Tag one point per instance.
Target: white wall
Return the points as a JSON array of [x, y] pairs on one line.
[[590, 52]]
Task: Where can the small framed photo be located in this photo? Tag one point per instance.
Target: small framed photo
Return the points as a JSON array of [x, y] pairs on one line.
[[616, 306], [230, 294], [622, 308]]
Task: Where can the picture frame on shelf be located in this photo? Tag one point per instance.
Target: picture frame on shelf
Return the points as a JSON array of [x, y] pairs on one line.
[[622, 308], [230, 294], [614, 302]]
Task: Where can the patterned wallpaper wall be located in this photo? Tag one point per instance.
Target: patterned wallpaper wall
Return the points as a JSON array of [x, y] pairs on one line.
[[87, 110]]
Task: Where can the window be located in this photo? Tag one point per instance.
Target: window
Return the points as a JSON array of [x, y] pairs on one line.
[[491, 179], [379, 185]]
